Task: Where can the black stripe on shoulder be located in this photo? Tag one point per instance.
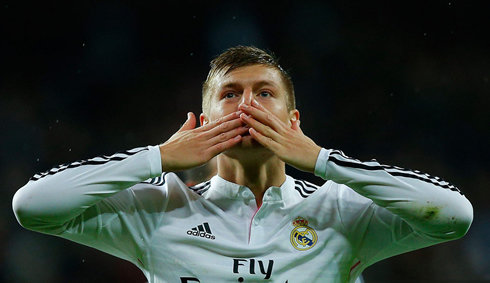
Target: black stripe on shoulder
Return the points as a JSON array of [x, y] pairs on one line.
[[201, 188], [157, 181], [304, 188], [298, 188], [394, 171], [99, 160]]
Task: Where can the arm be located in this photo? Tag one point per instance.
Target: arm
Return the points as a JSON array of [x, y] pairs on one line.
[[54, 197], [427, 203], [64, 192], [96, 202], [93, 202]]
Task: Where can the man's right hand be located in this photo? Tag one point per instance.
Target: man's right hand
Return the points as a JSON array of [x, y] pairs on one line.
[[191, 147]]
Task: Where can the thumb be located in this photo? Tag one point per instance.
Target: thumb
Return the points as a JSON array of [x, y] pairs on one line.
[[190, 123]]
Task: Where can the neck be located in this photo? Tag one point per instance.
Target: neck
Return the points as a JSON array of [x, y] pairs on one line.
[[258, 173]]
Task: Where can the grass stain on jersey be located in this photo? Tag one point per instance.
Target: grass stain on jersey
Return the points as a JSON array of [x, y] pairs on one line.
[[432, 212]]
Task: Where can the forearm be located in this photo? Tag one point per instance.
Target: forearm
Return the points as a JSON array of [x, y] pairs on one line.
[[429, 204], [65, 191]]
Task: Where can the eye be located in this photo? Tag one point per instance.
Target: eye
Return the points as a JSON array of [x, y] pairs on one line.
[[265, 94], [229, 95]]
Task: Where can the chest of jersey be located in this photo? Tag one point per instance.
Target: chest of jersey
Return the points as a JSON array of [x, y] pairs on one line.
[[233, 241]]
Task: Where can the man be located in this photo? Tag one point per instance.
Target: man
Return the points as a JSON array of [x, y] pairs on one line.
[[250, 222]]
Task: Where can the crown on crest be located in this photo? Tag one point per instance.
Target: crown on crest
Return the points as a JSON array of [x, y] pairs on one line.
[[300, 222]]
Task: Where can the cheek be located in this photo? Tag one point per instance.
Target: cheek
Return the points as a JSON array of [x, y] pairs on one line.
[[216, 111], [280, 111]]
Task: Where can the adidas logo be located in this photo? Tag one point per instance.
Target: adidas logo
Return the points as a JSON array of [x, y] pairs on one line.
[[202, 231]]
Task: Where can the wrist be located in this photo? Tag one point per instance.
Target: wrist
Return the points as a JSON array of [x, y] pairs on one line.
[[163, 163], [321, 163]]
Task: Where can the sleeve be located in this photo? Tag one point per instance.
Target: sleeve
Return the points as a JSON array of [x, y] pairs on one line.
[[95, 202], [408, 209]]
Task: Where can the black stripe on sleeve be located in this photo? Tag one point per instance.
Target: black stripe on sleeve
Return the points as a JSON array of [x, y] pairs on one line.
[[392, 170], [99, 160]]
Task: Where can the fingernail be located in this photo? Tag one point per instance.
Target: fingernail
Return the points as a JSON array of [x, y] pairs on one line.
[[255, 103], [243, 105]]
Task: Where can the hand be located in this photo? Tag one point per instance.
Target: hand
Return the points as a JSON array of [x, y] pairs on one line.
[[191, 147], [286, 142]]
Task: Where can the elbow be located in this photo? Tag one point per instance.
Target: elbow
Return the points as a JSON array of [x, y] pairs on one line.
[[462, 224], [24, 221], [447, 224], [21, 212], [459, 224], [33, 213], [30, 220]]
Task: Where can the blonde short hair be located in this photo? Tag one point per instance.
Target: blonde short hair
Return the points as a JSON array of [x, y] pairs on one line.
[[242, 56]]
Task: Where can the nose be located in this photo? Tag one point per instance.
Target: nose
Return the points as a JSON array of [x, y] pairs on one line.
[[247, 97]]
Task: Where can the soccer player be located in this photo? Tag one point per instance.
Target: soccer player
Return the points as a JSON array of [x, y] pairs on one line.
[[250, 222]]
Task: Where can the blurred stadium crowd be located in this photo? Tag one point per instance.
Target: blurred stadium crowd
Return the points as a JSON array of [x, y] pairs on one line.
[[405, 83]]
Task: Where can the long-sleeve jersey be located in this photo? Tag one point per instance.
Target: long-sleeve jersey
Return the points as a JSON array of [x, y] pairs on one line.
[[214, 232]]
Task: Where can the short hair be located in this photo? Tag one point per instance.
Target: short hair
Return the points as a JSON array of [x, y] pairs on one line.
[[241, 56]]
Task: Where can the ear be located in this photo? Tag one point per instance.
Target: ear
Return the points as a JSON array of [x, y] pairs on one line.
[[293, 116], [203, 119]]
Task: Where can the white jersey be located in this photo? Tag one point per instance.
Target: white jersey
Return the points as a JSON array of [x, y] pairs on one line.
[[214, 232]]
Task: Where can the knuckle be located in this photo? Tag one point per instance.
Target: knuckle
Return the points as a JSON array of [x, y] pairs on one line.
[[195, 136], [224, 126], [222, 136], [220, 147]]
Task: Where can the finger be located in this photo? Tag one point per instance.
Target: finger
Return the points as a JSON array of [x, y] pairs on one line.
[[258, 126], [224, 131], [263, 115], [227, 126], [190, 123], [263, 140], [224, 136], [221, 120], [223, 146]]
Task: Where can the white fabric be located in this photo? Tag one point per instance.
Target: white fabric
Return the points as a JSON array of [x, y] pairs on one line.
[[363, 214]]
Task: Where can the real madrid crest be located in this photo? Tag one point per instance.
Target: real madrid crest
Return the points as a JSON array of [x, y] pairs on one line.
[[303, 237]]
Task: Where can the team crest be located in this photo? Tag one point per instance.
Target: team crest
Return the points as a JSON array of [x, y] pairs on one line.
[[303, 237]]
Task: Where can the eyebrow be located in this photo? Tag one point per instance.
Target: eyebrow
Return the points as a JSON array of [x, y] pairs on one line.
[[258, 84]]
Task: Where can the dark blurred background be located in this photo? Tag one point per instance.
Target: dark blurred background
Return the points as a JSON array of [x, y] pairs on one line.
[[405, 82]]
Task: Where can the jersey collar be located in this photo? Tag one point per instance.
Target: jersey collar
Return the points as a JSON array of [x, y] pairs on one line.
[[221, 188]]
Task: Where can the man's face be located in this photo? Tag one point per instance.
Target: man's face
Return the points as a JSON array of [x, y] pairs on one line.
[[243, 85]]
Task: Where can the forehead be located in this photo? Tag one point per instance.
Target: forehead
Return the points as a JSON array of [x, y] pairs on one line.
[[249, 76]]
